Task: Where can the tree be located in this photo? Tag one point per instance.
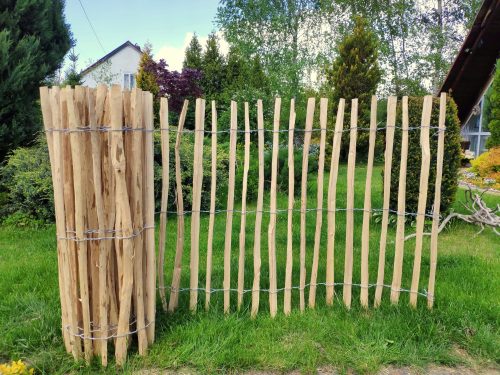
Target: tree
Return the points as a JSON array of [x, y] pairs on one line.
[[72, 78], [33, 41], [161, 82], [494, 124], [213, 68], [102, 73], [355, 73], [418, 39], [288, 35], [146, 78], [193, 59]]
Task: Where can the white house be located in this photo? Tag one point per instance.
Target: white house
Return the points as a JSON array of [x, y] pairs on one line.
[[117, 67]]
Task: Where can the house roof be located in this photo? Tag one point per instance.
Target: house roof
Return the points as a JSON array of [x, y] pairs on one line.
[[474, 65], [112, 53]]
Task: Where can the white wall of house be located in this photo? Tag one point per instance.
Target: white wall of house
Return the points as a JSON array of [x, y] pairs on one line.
[[123, 66]]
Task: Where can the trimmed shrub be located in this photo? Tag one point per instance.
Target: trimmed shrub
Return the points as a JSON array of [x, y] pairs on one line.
[[487, 167], [26, 179], [451, 159]]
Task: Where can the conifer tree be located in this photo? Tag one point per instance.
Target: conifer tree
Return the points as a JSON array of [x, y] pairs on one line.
[[72, 78], [494, 123], [33, 41], [213, 68], [146, 80], [355, 73], [193, 55]]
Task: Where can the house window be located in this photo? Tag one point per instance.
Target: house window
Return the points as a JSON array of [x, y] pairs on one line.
[[476, 131], [128, 81]]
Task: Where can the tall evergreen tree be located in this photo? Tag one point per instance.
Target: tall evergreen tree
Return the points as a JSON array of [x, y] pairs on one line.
[[236, 70], [213, 68], [145, 78], [33, 41], [494, 124], [355, 73], [72, 78], [193, 55]]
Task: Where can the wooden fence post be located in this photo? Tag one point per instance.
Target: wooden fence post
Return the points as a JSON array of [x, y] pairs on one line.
[[176, 275], [437, 201], [291, 200], [258, 214], [196, 202], [332, 202], [165, 161], [303, 198], [349, 231], [365, 236], [400, 228], [213, 185], [246, 166], [323, 111], [389, 142], [273, 304], [230, 207], [422, 197]]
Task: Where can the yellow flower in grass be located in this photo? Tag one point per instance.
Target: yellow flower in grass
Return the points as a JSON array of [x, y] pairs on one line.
[[15, 368]]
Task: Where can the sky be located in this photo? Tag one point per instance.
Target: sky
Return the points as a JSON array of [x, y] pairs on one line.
[[168, 25]]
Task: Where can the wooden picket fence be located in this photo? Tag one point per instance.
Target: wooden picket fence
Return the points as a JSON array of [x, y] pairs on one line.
[[331, 209], [101, 153]]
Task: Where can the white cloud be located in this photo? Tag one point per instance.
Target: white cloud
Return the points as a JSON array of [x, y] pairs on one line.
[[174, 56]]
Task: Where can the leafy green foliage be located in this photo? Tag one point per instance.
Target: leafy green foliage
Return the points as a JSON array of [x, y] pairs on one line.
[[275, 31], [451, 162], [33, 42], [494, 100], [355, 73], [26, 177]]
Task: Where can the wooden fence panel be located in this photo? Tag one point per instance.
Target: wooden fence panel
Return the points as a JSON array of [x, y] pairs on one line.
[[104, 204]]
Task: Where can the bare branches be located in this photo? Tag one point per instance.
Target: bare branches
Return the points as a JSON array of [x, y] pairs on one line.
[[480, 214]]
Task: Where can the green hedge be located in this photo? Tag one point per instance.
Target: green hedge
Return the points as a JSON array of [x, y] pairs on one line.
[[451, 161]]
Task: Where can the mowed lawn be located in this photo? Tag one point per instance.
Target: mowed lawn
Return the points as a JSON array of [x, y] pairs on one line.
[[462, 329]]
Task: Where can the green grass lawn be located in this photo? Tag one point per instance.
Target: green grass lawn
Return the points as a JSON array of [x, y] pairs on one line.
[[463, 327]]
